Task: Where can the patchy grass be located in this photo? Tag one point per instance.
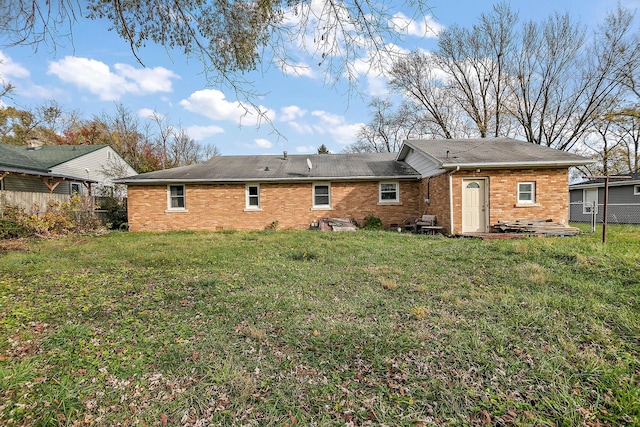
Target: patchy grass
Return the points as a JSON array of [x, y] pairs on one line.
[[309, 328]]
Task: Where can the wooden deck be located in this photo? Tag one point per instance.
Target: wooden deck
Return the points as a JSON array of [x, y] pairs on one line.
[[536, 227]]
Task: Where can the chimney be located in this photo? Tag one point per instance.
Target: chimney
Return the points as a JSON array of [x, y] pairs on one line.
[[284, 155]]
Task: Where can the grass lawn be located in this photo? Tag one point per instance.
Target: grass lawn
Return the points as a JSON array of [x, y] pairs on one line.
[[310, 328]]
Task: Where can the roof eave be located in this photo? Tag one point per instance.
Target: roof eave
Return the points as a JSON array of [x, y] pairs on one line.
[[151, 181], [601, 184], [36, 173], [517, 165]]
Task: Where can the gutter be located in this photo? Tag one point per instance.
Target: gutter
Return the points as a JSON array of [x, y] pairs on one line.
[[36, 173], [159, 181], [601, 184], [502, 165]]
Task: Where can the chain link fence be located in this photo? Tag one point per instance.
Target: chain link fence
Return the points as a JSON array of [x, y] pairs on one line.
[[616, 213]]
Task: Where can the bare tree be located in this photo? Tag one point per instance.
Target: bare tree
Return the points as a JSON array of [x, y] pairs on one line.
[[564, 84], [174, 146], [208, 151], [427, 90], [614, 141], [6, 88], [182, 149], [387, 128], [476, 63], [543, 81]]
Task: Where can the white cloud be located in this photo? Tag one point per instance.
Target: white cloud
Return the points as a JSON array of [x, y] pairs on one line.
[[149, 80], [328, 124], [148, 113], [304, 149], [376, 63], [263, 143], [328, 119], [291, 112], [377, 86], [10, 69], [199, 133], [346, 134], [336, 126], [427, 27], [211, 103], [302, 128], [97, 77]]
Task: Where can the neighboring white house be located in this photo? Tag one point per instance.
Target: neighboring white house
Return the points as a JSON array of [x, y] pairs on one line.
[[102, 166], [60, 170]]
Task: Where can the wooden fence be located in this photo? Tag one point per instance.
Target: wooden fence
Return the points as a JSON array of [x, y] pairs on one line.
[[31, 202]]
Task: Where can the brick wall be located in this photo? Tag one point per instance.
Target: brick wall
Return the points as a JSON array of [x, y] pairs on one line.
[[222, 206], [552, 195], [436, 189]]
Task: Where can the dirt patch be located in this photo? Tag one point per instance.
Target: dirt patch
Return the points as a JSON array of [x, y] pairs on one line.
[[13, 245]]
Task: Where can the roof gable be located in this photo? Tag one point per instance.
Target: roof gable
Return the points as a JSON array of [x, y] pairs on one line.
[[490, 153]]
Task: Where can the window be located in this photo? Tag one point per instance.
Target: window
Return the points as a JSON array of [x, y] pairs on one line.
[[590, 201], [636, 190], [526, 192], [177, 199], [253, 197], [321, 196], [389, 192], [75, 188]]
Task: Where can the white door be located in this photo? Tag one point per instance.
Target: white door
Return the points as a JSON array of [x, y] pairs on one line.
[[473, 206]]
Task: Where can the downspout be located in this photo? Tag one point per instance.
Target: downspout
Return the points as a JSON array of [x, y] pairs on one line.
[[451, 198], [427, 201]]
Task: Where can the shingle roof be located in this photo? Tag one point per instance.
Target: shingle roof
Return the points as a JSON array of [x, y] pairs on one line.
[[42, 158], [276, 168], [492, 152], [599, 182]]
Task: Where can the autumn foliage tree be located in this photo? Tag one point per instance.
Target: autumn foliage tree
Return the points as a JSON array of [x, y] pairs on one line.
[[139, 144]]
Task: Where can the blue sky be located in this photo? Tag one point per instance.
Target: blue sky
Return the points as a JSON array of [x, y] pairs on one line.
[[98, 71]]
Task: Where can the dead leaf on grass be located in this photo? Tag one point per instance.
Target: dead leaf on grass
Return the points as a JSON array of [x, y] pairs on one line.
[[485, 417]]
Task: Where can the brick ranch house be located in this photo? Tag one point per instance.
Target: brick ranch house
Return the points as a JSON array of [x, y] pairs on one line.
[[468, 184]]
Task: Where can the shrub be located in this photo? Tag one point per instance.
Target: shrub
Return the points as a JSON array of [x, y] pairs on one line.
[[76, 216], [115, 211], [372, 222], [12, 223]]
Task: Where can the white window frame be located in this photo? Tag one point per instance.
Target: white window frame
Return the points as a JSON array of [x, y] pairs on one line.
[[396, 184], [636, 190], [532, 192], [170, 198], [587, 205], [321, 206], [248, 205]]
